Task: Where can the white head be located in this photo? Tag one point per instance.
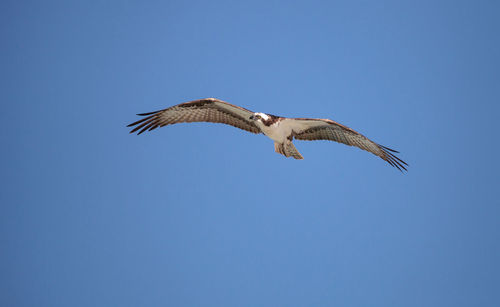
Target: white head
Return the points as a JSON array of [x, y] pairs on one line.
[[259, 116]]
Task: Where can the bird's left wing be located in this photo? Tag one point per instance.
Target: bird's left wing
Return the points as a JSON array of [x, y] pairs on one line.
[[203, 110], [325, 129]]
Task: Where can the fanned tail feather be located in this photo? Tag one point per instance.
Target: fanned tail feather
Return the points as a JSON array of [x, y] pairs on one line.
[[288, 150]]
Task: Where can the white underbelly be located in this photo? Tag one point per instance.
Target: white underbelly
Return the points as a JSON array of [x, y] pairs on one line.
[[277, 132]]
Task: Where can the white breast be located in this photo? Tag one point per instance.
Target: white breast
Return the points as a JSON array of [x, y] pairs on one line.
[[278, 131]]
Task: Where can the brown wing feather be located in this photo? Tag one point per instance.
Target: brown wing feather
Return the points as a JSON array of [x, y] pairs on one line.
[[203, 110], [334, 131]]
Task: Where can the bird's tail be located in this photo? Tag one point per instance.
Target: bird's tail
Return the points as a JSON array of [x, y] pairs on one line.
[[287, 149]]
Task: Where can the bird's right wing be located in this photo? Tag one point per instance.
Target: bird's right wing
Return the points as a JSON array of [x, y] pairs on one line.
[[203, 110]]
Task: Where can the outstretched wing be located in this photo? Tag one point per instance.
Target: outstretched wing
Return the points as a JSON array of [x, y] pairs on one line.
[[325, 129], [203, 110]]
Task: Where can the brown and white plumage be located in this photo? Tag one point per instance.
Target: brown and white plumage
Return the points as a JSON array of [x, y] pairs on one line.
[[280, 129], [326, 129], [203, 110]]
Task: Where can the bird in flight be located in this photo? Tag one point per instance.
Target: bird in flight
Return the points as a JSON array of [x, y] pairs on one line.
[[281, 130]]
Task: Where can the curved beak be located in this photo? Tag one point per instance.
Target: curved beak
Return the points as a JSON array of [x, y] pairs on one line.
[[251, 117]]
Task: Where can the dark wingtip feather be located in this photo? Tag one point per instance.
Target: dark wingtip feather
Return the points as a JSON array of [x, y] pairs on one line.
[[392, 159], [150, 113], [389, 149], [147, 121], [146, 114]]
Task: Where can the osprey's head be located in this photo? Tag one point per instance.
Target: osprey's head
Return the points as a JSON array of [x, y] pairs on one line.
[[259, 117]]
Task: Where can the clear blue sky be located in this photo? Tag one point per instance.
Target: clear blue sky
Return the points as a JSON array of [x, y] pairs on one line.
[[209, 215]]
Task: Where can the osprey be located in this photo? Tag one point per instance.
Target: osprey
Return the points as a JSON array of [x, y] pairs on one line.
[[281, 130]]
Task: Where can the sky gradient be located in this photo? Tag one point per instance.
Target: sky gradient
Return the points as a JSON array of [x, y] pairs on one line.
[[209, 215]]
